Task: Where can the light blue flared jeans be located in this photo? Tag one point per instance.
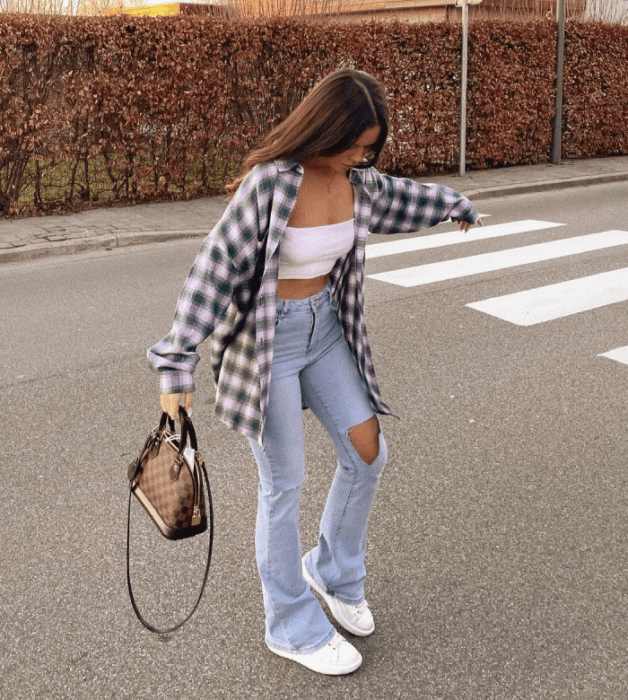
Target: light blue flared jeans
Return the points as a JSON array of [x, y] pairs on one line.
[[312, 364]]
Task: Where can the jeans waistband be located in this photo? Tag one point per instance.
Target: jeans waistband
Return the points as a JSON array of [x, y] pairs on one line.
[[307, 303]]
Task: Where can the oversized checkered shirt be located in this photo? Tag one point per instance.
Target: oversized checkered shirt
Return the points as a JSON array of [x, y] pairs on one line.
[[216, 298]]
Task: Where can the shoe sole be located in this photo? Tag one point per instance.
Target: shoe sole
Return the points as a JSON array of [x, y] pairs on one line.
[[326, 670], [329, 600]]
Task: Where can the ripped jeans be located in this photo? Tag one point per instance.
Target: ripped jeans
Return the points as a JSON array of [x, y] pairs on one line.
[[312, 364]]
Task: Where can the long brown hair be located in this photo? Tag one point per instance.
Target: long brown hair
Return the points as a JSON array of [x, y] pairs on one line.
[[329, 120]]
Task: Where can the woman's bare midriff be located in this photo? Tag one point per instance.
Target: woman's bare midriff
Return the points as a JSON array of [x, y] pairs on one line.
[[301, 289]]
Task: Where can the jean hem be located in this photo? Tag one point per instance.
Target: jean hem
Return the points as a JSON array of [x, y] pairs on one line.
[[304, 650], [329, 592]]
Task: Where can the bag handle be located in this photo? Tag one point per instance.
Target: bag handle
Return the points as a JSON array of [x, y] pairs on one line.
[[190, 428], [187, 428]]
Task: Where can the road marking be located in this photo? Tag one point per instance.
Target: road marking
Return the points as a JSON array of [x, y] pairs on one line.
[[502, 259], [619, 354], [557, 300], [437, 240]]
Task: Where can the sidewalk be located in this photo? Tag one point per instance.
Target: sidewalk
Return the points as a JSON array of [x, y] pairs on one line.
[[113, 227]]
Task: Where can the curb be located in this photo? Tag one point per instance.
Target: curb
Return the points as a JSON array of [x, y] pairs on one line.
[[109, 241], [81, 245], [543, 186], [40, 250]]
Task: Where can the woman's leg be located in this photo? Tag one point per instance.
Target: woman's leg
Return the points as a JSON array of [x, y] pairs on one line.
[[334, 390], [295, 621]]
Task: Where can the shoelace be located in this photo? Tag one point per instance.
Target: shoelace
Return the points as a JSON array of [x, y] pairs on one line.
[[356, 610], [335, 644], [361, 607]]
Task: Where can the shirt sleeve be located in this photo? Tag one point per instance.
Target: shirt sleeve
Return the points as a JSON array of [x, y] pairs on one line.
[[400, 205], [225, 261]]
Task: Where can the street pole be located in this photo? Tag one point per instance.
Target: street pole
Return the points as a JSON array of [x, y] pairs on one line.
[[463, 86], [557, 136], [464, 4]]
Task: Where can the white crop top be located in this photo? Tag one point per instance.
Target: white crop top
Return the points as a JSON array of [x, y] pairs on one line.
[[312, 252]]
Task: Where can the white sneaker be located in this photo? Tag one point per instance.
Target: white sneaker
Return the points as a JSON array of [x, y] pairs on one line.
[[356, 619], [336, 658]]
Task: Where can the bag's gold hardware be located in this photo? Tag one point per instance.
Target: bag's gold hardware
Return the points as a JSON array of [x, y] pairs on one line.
[[196, 516]]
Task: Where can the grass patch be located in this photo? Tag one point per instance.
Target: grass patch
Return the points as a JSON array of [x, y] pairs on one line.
[[108, 179]]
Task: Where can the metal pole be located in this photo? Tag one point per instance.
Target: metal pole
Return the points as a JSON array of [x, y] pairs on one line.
[[463, 87], [557, 136]]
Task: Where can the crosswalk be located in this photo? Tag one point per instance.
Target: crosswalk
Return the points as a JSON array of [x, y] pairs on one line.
[[523, 308]]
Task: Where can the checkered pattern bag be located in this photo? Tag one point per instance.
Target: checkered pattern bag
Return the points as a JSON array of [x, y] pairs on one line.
[[169, 488], [167, 479]]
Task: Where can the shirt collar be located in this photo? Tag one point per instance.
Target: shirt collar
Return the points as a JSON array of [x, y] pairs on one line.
[[290, 164]]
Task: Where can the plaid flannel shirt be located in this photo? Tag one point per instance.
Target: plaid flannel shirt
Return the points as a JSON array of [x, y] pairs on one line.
[[219, 300]]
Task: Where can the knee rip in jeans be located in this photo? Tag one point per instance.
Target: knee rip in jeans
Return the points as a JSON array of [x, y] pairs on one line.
[[365, 439]]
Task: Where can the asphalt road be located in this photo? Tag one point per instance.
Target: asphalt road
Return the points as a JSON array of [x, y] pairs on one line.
[[497, 555]]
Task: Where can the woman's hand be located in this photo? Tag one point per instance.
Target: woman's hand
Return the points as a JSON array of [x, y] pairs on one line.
[[170, 404], [464, 226]]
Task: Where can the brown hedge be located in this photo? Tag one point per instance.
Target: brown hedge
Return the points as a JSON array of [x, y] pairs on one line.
[[139, 108], [511, 92], [596, 89]]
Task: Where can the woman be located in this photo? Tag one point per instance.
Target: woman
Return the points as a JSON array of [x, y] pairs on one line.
[[278, 285]]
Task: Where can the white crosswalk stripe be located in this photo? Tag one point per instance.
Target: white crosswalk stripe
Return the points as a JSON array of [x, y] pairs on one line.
[[619, 354], [501, 259], [557, 300], [437, 240]]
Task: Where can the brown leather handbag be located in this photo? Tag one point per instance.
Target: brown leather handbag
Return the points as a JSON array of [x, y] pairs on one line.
[[168, 479]]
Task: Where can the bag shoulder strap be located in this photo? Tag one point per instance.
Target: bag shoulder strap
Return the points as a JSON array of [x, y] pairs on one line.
[[209, 559]]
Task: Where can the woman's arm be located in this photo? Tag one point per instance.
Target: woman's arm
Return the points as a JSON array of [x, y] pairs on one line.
[[224, 263], [170, 404], [400, 204], [204, 300]]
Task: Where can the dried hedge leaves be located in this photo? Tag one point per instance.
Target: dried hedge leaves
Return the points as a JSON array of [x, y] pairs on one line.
[[98, 110]]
